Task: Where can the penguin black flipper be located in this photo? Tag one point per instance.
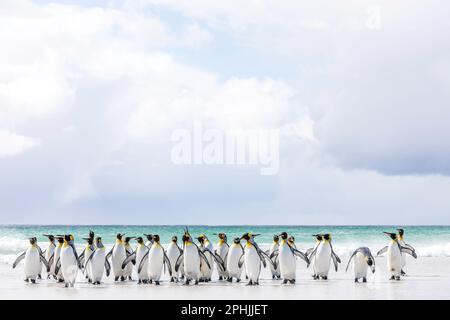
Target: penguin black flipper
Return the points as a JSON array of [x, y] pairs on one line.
[[308, 251], [40, 250], [44, 262], [129, 259], [409, 247], [241, 261], [76, 255], [301, 255], [129, 253], [202, 256], [89, 259], [382, 250], [18, 259], [274, 253], [141, 264], [110, 252], [408, 251], [58, 265], [179, 262], [217, 259], [351, 257], [334, 254], [335, 262], [107, 267], [167, 263], [50, 260]]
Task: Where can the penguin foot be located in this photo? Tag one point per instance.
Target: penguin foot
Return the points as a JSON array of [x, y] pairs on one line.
[[157, 283], [39, 277], [285, 281], [250, 283], [230, 279], [122, 278], [256, 283], [397, 278], [364, 279], [186, 283], [196, 282], [273, 277], [33, 280], [116, 279], [66, 285], [60, 280], [26, 280], [220, 278], [324, 277], [139, 281], [292, 281], [403, 273], [356, 280], [237, 280]]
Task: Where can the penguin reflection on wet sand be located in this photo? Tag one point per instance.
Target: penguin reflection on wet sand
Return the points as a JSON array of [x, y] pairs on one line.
[[394, 256], [363, 260], [33, 258], [322, 256]]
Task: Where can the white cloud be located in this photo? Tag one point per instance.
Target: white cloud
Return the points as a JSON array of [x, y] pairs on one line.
[[13, 144]]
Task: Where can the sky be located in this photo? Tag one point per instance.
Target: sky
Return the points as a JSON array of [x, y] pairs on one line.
[[92, 91]]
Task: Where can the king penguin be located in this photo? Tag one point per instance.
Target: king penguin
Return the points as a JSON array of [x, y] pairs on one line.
[[394, 256], [401, 240], [140, 256], [286, 255], [69, 261], [97, 263], [321, 258], [235, 252], [57, 271], [363, 260], [129, 251], [50, 254], [274, 247], [190, 259], [33, 259], [173, 252], [206, 270], [252, 258], [118, 255], [157, 259], [222, 251]]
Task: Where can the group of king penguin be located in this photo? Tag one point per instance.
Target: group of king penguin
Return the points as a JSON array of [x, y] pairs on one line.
[[195, 262]]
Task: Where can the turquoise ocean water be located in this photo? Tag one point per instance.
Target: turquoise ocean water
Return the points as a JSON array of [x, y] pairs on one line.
[[428, 240]]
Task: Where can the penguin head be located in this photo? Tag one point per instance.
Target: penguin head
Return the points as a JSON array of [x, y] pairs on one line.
[[201, 238], [249, 236], [127, 239], [99, 243], [60, 239], [283, 235], [401, 232], [186, 237], [119, 237], [156, 238], [90, 241], [326, 237], [174, 239], [393, 236], [291, 240], [222, 236], [33, 240], [91, 234], [140, 240], [68, 238], [237, 240], [276, 238], [50, 237], [149, 237], [319, 237]]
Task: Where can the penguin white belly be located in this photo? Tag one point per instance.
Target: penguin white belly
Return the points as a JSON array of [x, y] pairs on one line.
[[97, 265], [275, 271], [222, 250], [118, 256], [234, 254], [173, 253], [33, 265], [69, 265], [252, 263], [155, 262], [322, 259], [360, 266], [191, 262], [287, 262], [394, 259], [140, 253]]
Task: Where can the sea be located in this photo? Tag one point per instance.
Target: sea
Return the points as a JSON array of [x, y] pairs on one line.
[[429, 241]]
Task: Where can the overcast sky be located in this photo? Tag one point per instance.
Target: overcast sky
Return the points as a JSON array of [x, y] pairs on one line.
[[91, 91]]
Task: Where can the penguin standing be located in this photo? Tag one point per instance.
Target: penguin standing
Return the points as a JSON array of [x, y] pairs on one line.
[[85, 256], [129, 251], [322, 256], [207, 248], [140, 256], [149, 240], [363, 260], [286, 255], [235, 252], [291, 242], [157, 259], [173, 252], [190, 259], [222, 251], [310, 250], [50, 254], [69, 261], [394, 256], [252, 258], [118, 254], [97, 263], [401, 240], [33, 261], [58, 273], [274, 247]]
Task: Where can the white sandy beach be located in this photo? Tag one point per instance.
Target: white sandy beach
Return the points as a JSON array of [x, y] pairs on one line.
[[428, 278]]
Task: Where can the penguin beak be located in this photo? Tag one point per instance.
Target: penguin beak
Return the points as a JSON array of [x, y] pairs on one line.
[[255, 235], [388, 233]]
